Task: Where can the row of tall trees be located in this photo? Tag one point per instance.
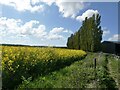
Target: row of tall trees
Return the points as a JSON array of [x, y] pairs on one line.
[[89, 36]]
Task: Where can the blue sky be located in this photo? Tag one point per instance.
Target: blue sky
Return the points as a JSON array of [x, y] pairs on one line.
[[43, 22]]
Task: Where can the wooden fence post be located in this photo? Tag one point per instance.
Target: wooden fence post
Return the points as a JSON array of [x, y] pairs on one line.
[[95, 63]]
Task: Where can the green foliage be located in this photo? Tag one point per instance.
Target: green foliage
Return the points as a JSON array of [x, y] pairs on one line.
[[70, 42], [103, 76], [25, 81], [32, 62], [88, 37], [75, 76], [78, 75], [114, 62]]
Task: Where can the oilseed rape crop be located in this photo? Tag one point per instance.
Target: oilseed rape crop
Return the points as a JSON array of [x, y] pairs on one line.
[[33, 62]]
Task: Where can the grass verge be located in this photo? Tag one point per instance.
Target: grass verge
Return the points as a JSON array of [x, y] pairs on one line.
[[81, 74]]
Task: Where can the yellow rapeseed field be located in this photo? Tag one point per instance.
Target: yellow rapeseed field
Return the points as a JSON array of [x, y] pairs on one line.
[[33, 61]]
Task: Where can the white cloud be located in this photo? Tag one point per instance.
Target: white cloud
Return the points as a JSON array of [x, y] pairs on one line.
[[65, 7], [115, 37], [40, 32], [68, 31], [23, 5], [27, 28], [55, 33], [55, 37], [37, 8], [69, 9], [89, 13], [35, 1], [16, 28], [105, 31], [10, 25], [56, 30], [48, 2]]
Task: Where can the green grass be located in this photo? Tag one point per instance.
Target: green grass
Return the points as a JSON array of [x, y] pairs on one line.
[[80, 74], [69, 77], [113, 65]]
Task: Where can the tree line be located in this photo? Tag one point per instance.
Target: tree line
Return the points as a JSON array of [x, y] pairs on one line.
[[88, 37]]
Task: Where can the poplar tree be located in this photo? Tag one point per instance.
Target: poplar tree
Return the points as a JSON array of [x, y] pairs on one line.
[[70, 42], [89, 36]]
